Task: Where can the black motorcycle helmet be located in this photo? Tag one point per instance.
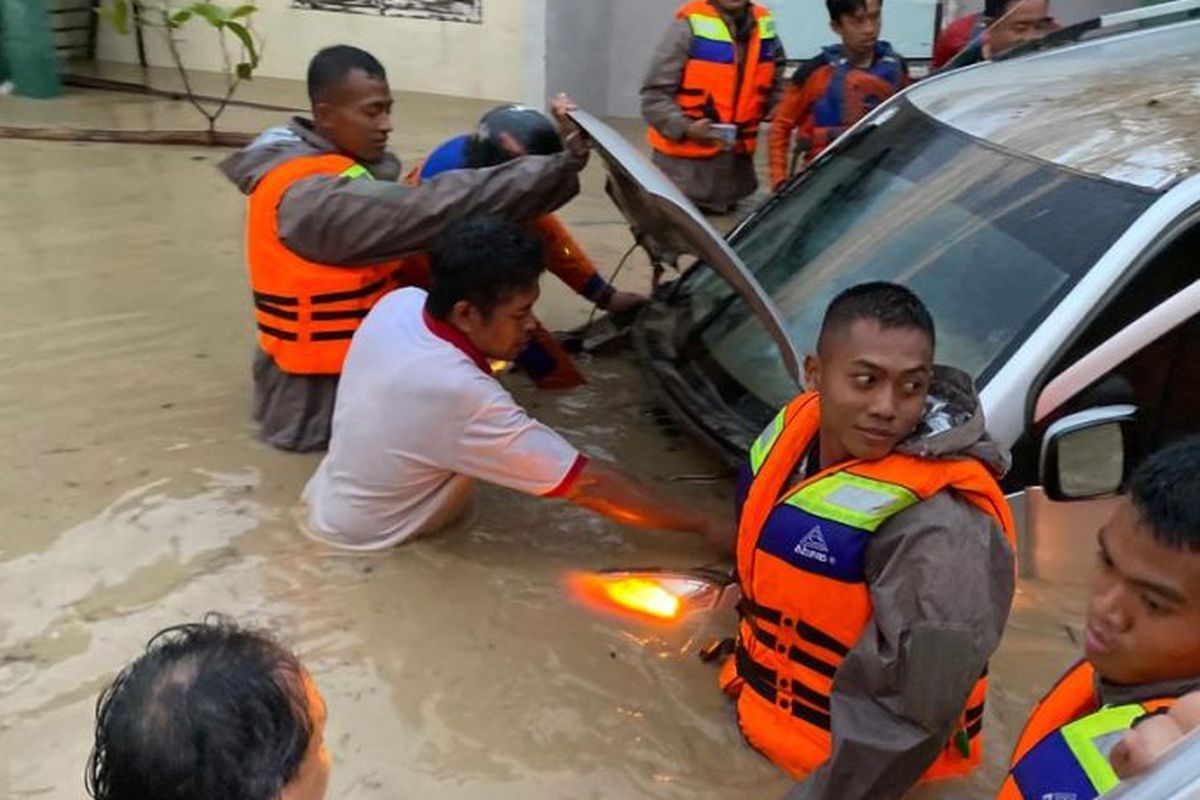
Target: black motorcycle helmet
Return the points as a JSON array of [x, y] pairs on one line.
[[532, 129]]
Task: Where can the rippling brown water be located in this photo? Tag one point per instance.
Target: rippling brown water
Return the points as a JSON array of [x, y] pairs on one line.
[[135, 496]]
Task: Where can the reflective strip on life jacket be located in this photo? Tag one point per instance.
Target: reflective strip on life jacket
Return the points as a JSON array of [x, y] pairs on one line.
[[806, 602], [1064, 749], [853, 500], [711, 87], [306, 313], [765, 441]]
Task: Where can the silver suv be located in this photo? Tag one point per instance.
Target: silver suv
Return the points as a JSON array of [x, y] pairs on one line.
[[1046, 207]]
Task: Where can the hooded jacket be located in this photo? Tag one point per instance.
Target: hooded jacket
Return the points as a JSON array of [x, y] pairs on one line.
[[941, 577], [339, 221]]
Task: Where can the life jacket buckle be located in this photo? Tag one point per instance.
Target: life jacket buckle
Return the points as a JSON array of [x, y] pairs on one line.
[[717, 649]]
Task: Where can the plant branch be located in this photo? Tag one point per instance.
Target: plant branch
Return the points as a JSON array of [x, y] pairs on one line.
[[173, 47]]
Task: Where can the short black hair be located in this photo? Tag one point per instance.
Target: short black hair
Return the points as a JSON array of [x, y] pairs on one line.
[[1165, 491], [994, 9], [209, 710], [330, 67], [844, 8], [482, 260], [889, 304]]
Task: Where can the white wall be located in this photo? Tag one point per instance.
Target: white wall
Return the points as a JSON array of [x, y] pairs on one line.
[[639, 25], [497, 59]]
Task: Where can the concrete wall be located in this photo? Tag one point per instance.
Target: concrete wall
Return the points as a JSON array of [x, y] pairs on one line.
[[500, 59], [640, 26], [598, 51]]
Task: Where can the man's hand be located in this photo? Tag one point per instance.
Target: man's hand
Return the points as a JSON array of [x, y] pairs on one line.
[[621, 498], [624, 301], [701, 130], [572, 136], [1142, 745]]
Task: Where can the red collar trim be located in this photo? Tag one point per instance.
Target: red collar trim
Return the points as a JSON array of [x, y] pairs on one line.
[[451, 334]]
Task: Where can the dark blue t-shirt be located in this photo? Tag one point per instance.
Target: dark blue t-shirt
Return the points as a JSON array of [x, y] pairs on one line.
[[450, 154]]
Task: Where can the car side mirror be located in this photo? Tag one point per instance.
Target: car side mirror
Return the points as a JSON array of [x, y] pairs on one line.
[[1084, 455]]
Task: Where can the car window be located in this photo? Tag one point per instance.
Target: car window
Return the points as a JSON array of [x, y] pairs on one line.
[[990, 240], [1176, 267], [1163, 380]]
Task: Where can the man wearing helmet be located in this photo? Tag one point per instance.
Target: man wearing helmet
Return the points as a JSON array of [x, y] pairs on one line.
[[504, 133]]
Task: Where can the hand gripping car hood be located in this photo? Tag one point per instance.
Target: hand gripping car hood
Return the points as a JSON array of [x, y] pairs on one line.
[[667, 225]]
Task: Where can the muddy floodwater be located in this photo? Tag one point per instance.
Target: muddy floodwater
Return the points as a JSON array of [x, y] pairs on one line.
[[135, 496]]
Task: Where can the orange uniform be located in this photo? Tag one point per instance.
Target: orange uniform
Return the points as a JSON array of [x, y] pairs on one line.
[[826, 96], [716, 87], [806, 600], [1063, 749], [307, 312]]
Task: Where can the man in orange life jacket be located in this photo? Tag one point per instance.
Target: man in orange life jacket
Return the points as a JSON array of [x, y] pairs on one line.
[[836, 89], [714, 78], [1142, 641], [876, 562], [329, 227]]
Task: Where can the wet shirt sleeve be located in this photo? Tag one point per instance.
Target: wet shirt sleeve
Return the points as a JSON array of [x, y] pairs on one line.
[[502, 444], [942, 578], [347, 222]]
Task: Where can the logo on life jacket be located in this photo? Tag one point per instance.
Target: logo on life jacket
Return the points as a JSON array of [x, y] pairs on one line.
[[814, 546], [1060, 796]]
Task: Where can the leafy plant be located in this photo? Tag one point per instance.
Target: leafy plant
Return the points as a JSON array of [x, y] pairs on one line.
[[232, 25]]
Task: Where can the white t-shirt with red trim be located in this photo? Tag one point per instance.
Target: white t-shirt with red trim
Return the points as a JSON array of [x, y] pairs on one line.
[[418, 419]]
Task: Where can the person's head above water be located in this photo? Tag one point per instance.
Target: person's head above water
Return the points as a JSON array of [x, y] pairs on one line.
[[485, 282], [1014, 22], [210, 710], [873, 365], [351, 101], [1143, 616], [509, 131], [858, 24]]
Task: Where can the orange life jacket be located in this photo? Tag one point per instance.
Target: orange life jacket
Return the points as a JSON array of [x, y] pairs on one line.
[[806, 601], [306, 312], [716, 86], [1063, 749], [849, 93]]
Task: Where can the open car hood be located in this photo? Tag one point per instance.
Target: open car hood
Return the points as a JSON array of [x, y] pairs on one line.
[[668, 226]]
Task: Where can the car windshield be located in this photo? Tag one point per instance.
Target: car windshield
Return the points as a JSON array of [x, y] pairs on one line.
[[990, 240]]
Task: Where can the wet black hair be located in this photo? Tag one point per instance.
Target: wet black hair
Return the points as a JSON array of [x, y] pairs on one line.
[[330, 66], [483, 260], [994, 9], [1165, 491], [889, 304], [209, 710], [845, 8], [532, 129]]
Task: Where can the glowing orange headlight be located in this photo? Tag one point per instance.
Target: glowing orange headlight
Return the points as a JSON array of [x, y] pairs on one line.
[[659, 597]]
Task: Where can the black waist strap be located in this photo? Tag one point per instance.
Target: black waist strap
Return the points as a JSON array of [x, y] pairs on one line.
[[765, 683]]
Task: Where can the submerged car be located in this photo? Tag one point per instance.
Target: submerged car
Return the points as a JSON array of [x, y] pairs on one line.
[[1046, 208]]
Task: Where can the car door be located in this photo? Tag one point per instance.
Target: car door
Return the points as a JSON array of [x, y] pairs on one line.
[[1094, 421]]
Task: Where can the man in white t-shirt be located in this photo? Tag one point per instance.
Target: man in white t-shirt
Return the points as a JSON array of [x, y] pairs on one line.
[[419, 417]]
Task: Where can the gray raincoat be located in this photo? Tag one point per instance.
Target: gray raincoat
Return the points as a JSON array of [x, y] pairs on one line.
[[941, 575], [338, 221]]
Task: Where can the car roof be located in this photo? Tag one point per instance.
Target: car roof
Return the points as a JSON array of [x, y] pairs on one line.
[[1126, 108]]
